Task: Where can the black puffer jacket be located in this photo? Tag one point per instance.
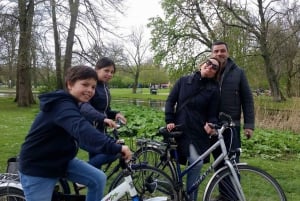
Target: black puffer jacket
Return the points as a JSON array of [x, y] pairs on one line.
[[236, 95]]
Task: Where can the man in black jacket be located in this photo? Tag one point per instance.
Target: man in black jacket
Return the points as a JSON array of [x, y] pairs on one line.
[[236, 97]]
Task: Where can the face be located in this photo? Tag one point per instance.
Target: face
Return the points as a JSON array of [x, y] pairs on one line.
[[105, 74], [209, 68], [83, 90], [220, 52]]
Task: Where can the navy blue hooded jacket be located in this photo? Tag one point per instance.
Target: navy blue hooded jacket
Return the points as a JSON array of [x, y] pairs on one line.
[[56, 134], [99, 107]]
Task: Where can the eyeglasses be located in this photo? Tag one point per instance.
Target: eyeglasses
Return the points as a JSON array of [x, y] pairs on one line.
[[213, 66]]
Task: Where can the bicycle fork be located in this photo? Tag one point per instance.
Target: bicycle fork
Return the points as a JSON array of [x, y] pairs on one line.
[[235, 180]]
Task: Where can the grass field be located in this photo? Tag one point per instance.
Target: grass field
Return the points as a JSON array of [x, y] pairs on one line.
[[15, 123]]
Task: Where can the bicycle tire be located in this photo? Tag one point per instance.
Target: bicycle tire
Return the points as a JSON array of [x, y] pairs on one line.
[[256, 185], [150, 183], [156, 157], [9, 193]]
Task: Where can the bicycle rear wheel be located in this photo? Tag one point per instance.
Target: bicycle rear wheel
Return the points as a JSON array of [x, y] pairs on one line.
[[256, 184], [149, 182], [9, 193], [156, 157]]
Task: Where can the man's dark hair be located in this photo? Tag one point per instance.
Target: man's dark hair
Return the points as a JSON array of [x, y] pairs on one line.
[[219, 42], [105, 62]]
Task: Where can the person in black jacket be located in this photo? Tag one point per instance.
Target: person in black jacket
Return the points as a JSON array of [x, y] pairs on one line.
[[236, 98], [195, 98], [58, 131], [98, 110]]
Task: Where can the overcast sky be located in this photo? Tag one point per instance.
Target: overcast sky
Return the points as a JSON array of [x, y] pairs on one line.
[[138, 13]]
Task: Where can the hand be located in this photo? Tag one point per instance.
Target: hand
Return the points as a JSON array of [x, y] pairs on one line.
[[110, 123], [127, 154], [248, 133], [170, 126], [121, 118], [209, 129]]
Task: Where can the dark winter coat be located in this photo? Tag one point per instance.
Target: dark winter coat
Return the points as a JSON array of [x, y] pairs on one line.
[[202, 106], [236, 96], [56, 134]]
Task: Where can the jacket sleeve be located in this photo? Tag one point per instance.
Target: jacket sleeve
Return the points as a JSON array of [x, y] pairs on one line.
[[111, 114], [213, 108], [171, 102], [247, 102], [90, 113], [89, 138]]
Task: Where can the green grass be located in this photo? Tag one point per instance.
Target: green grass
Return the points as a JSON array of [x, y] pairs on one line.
[[284, 166], [143, 93]]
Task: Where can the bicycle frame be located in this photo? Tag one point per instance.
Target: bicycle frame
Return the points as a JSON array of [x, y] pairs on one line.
[[9, 179], [222, 157], [121, 190]]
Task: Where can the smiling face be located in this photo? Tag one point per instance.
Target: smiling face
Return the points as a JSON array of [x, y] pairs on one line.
[[82, 90], [209, 68], [105, 74], [220, 52]]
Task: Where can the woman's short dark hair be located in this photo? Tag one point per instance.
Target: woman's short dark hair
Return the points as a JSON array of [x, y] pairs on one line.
[[80, 72], [105, 62]]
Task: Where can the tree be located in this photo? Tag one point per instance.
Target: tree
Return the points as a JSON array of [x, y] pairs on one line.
[[57, 46], [258, 23], [136, 56], [74, 8], [184, 36], [24, 96], [8, 51], [189, 28]]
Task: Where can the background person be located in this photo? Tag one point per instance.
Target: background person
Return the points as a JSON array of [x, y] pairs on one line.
[[98, 110], [236, 98], [50, 148], [196, 98]]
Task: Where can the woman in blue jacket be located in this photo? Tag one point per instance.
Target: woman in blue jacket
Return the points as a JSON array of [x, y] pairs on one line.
[[195, 98], [98, 110], [58, 131]]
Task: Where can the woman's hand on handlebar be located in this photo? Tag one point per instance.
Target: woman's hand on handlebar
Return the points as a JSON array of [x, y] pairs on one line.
[[127, 154], [209, 128]]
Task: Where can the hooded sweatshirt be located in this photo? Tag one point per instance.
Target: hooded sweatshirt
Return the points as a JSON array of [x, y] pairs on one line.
[[56, 134]]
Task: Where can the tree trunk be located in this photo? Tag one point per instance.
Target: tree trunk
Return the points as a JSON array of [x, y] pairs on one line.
[[71, 33], [272, 79], [59, 80], [24, 95]]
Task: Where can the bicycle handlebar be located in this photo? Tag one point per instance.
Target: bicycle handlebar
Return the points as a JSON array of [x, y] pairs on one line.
[[176, 132]]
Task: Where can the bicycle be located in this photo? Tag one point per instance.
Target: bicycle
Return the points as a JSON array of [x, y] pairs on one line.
[[242, 181], [10, 187], [156, 185]]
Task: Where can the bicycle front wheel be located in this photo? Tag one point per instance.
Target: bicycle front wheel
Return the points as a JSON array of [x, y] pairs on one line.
[[9, 193], [151, 183], [156, 157], [257, 185]]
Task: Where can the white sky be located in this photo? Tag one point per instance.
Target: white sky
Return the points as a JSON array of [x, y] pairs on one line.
[[138, 13]]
